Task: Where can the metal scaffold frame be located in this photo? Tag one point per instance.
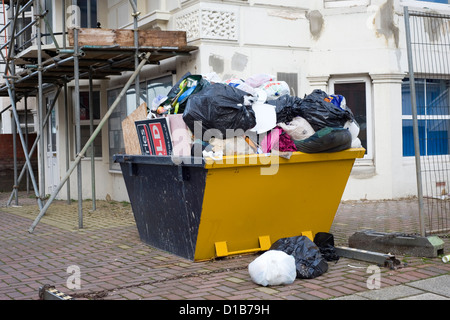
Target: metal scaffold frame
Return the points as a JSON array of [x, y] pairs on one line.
[[53, 69]]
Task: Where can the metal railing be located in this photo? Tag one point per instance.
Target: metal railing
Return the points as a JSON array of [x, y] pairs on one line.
[[428, 44]]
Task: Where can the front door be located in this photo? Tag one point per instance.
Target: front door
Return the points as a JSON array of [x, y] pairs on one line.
[[52, 176]]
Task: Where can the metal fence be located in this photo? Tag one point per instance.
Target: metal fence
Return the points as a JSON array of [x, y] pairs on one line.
[[428, 44]]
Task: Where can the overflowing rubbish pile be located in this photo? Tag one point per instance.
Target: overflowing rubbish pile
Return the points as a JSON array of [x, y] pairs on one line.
[[202, 117], [251, 116]]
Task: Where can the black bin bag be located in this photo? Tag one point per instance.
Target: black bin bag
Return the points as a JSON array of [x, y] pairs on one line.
[[219, 109], [320, 113], [286, 107], [325, 242], [309, 262], [314, 108], [326, 140]]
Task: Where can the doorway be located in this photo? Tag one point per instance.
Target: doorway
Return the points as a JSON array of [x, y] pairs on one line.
[[52, 172]]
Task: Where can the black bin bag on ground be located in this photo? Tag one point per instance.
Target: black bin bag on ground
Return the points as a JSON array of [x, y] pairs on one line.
[[326, 140], [219, 107], [325, 242], [309, 262]]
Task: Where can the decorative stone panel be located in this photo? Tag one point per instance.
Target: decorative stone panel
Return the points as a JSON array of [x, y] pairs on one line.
[[189, 22], [220, 25], [208, 23]]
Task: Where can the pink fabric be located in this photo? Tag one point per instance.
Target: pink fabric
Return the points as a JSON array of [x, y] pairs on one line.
[[277, 139], [286, 143]]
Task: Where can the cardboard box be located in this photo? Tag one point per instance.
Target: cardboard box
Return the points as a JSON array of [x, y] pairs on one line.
[[154, 136]]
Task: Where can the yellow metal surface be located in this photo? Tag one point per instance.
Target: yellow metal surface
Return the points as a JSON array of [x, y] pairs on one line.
[[308, 234], [282, 198], [222, 247], [272, 160]]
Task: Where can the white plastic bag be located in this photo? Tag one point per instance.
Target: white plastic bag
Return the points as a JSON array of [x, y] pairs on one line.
[[298, 128], [354, 129], [259, 79], [275, 89], [272, 268], [231, 146], [356, 143], [234, 82], [241, 85], [212, 77]]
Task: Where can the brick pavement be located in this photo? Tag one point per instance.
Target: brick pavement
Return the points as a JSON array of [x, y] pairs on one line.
[[115, 265]]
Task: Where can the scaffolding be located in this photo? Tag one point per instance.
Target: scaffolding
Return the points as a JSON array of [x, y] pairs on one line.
[[33, 68]]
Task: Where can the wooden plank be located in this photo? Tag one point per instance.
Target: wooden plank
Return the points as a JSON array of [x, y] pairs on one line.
[[125, 38], [158, 38], [93, 37], [130, 137]]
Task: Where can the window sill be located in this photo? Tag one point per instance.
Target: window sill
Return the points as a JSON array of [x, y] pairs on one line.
[[442, 8], [363, 169], [345, 4]]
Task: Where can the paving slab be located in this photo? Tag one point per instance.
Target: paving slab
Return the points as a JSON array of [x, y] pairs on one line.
[[351, 297], [116, 265], [439, 285], [390, 293], [426, 296]]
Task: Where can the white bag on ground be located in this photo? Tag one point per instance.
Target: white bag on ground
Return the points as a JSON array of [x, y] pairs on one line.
[[273, 267]]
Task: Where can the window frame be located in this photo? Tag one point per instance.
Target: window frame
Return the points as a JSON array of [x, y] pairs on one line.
[[336, 79], [432, 1], [423, 117], [86, 123], [416, 4], [31, 115], [128, 109], [344, 3], [25, 39], [85, 15]]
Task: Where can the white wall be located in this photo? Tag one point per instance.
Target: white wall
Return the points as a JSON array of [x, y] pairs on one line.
[[369, 40], [239, 41]]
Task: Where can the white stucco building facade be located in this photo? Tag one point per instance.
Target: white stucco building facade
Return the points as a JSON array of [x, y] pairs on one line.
[[354, 47]]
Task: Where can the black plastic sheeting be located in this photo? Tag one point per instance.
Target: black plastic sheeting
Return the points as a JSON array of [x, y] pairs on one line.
[[326, 140], [221, 109], [286, 108], [325, 242], [314, 108], [309, 262]]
